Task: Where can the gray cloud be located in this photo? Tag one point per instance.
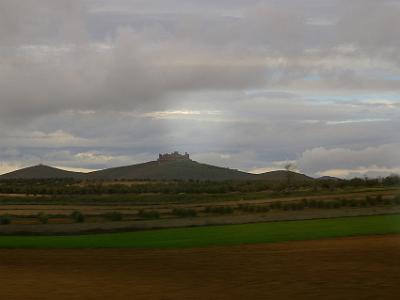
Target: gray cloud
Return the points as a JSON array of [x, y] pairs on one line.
[[383, 160], [93, 76], [30, 21]]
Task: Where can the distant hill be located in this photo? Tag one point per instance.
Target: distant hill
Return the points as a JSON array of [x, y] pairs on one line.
[[189, 169], [168, 167], [172, 170], [282, 175], [41, 172], [328, 178]]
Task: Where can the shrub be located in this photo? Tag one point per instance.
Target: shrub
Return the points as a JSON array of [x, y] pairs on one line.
[[253, 208], [78, 216], [150, 214], [43, 218], [247, 207], [370, 200], [113, 216], [363, 203], [312, 203], [293, 206], [5, 220], [262, 208], [276, 205], [349, 202], [299, 206], [184, 212], [337, 204], [305, 202], [329, 204], [219, 209]]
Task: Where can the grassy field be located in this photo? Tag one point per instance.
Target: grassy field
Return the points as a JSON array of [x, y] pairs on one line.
[[217, 235]]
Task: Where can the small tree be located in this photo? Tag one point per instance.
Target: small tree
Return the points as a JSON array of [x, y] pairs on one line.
[[43, 218], [78, 216], [5, 220], [184, 212], [289, 167], [150, 214], [113, 216]]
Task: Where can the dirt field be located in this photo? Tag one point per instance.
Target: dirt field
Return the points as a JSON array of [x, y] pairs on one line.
[[348, 268]]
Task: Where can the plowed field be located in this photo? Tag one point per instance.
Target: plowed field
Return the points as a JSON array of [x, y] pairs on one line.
[[345, 268]]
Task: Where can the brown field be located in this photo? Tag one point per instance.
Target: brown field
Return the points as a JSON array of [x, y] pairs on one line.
[[346, 268], [32, 209], [25, 220]]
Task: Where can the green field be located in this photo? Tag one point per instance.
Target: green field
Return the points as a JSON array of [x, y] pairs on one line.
[[217, 235]]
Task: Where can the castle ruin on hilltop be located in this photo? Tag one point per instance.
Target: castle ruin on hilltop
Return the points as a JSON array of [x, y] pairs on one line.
[[174, 156]]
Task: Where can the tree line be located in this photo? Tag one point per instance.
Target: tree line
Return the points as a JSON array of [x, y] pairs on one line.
[[99, 187]]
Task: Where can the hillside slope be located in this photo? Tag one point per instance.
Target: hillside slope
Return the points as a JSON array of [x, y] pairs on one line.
[[41, 172], [283, 176], [157, 170], [171, 170]]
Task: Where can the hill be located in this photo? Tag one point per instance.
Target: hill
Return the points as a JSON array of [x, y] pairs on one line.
[[283, 175], [186, 169], [172, 166], [41, 172], [172, 170], [328, 178]]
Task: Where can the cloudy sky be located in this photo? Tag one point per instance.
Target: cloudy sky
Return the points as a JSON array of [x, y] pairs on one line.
[[248, 84]]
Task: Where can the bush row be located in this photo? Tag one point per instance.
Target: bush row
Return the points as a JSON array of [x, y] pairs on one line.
[[101, 187], [305, 203], [149, 214], [79, 217], [219, 209], [184, 212]]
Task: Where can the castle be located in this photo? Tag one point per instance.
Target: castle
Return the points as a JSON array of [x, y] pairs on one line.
[[174, 156]]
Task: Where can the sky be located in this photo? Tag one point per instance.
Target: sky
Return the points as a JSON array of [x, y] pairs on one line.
[[245, 84]]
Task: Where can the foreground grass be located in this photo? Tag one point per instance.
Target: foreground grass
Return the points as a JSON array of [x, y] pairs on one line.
[[217, 235]]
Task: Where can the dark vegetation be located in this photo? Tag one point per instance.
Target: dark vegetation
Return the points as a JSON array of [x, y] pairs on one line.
[[278, 205], [113, 216], [5, 220], [78, 217], [254, 208], [147, 193], [223, 210], [102, 187], [305, 203], [43, 218], [149, 214], [184, 212]]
